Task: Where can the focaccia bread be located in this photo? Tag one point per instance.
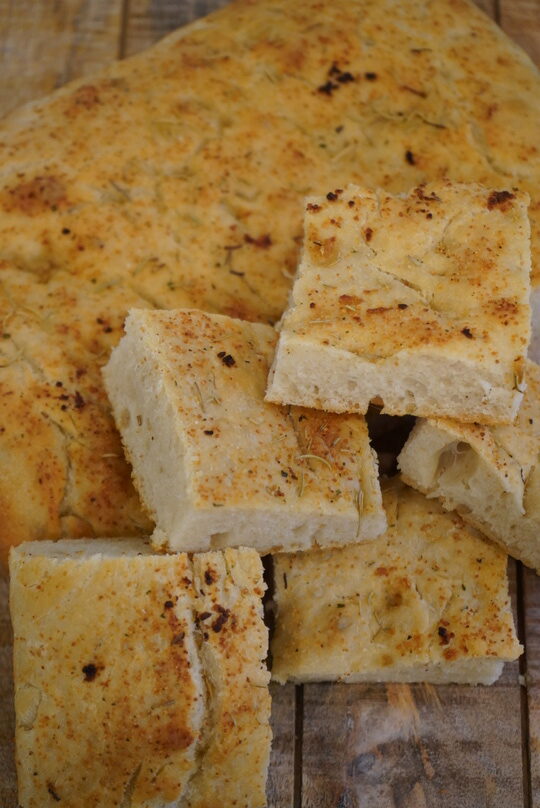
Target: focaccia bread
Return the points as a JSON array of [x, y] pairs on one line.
[[218, 466], [139, 678], [421, 300], [426, 602], [176, 178], [490, 475]]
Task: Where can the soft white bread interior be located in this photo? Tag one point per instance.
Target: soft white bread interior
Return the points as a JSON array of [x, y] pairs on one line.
[[128, 667], [218, 466], [490, 475], [428, 601], [421, 300]]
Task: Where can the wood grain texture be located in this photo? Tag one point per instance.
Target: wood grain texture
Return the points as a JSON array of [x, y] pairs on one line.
[[401, 746], [8, 788], [149, 20], [531, 613], [533, 694], [488, 6], [520, 19], [280, 789], [44, 44], [531, 609]]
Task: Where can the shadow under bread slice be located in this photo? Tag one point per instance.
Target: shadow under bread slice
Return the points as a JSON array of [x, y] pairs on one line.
[[215, 464], [426, 602], [489, 474], [139, 678]]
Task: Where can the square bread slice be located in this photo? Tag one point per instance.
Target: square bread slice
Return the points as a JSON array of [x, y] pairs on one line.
[[490, 475], [139, 678], [421, 300], [218, 466], [426, 602]]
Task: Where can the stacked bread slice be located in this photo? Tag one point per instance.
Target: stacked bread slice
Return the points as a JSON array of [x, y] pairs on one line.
[[419, 302], [218, 466], [489, 474]]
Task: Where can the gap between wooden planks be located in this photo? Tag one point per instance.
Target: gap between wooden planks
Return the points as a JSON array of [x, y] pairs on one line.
[[341, 746]]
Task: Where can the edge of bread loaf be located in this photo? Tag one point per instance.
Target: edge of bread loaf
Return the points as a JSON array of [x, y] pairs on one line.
[[473, 488], [299, 366]]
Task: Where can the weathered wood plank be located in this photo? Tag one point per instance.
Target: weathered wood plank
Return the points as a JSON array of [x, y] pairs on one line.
[[488, 6], [45, 44], [149, 20], [531, 604], [401, 746], [520, 19], [531, 614], [280, 788], [533, 694], [8, 784]]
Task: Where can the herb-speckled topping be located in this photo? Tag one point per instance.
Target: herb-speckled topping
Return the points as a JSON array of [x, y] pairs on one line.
[[430, 591]]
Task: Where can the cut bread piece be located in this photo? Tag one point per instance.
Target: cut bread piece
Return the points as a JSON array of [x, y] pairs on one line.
[[420, 300], [427, 602], [236, 732], [214, 463], [490, 475], [122, 661]]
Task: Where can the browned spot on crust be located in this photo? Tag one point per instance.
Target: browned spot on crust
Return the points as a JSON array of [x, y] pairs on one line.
[[444, 635], [221, 619], [263, 241], [240, 312], [324, 251], [420, 193], [500, 199], [52, 791], [172, 737], [349, 300], [378, 310], [209, 576], [85, 97], [90, 671], [36, 196]]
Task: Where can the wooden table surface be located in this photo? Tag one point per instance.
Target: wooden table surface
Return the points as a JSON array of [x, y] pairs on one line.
[[335, 746]]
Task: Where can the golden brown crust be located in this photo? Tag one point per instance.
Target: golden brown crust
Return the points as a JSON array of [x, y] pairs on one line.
[[107, 690], [231, 122], [430, 591], [187, 390], [139, 678], [423, 298], [236, 741]]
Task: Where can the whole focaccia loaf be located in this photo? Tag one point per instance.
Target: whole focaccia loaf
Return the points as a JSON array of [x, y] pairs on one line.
[[176, 179]]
